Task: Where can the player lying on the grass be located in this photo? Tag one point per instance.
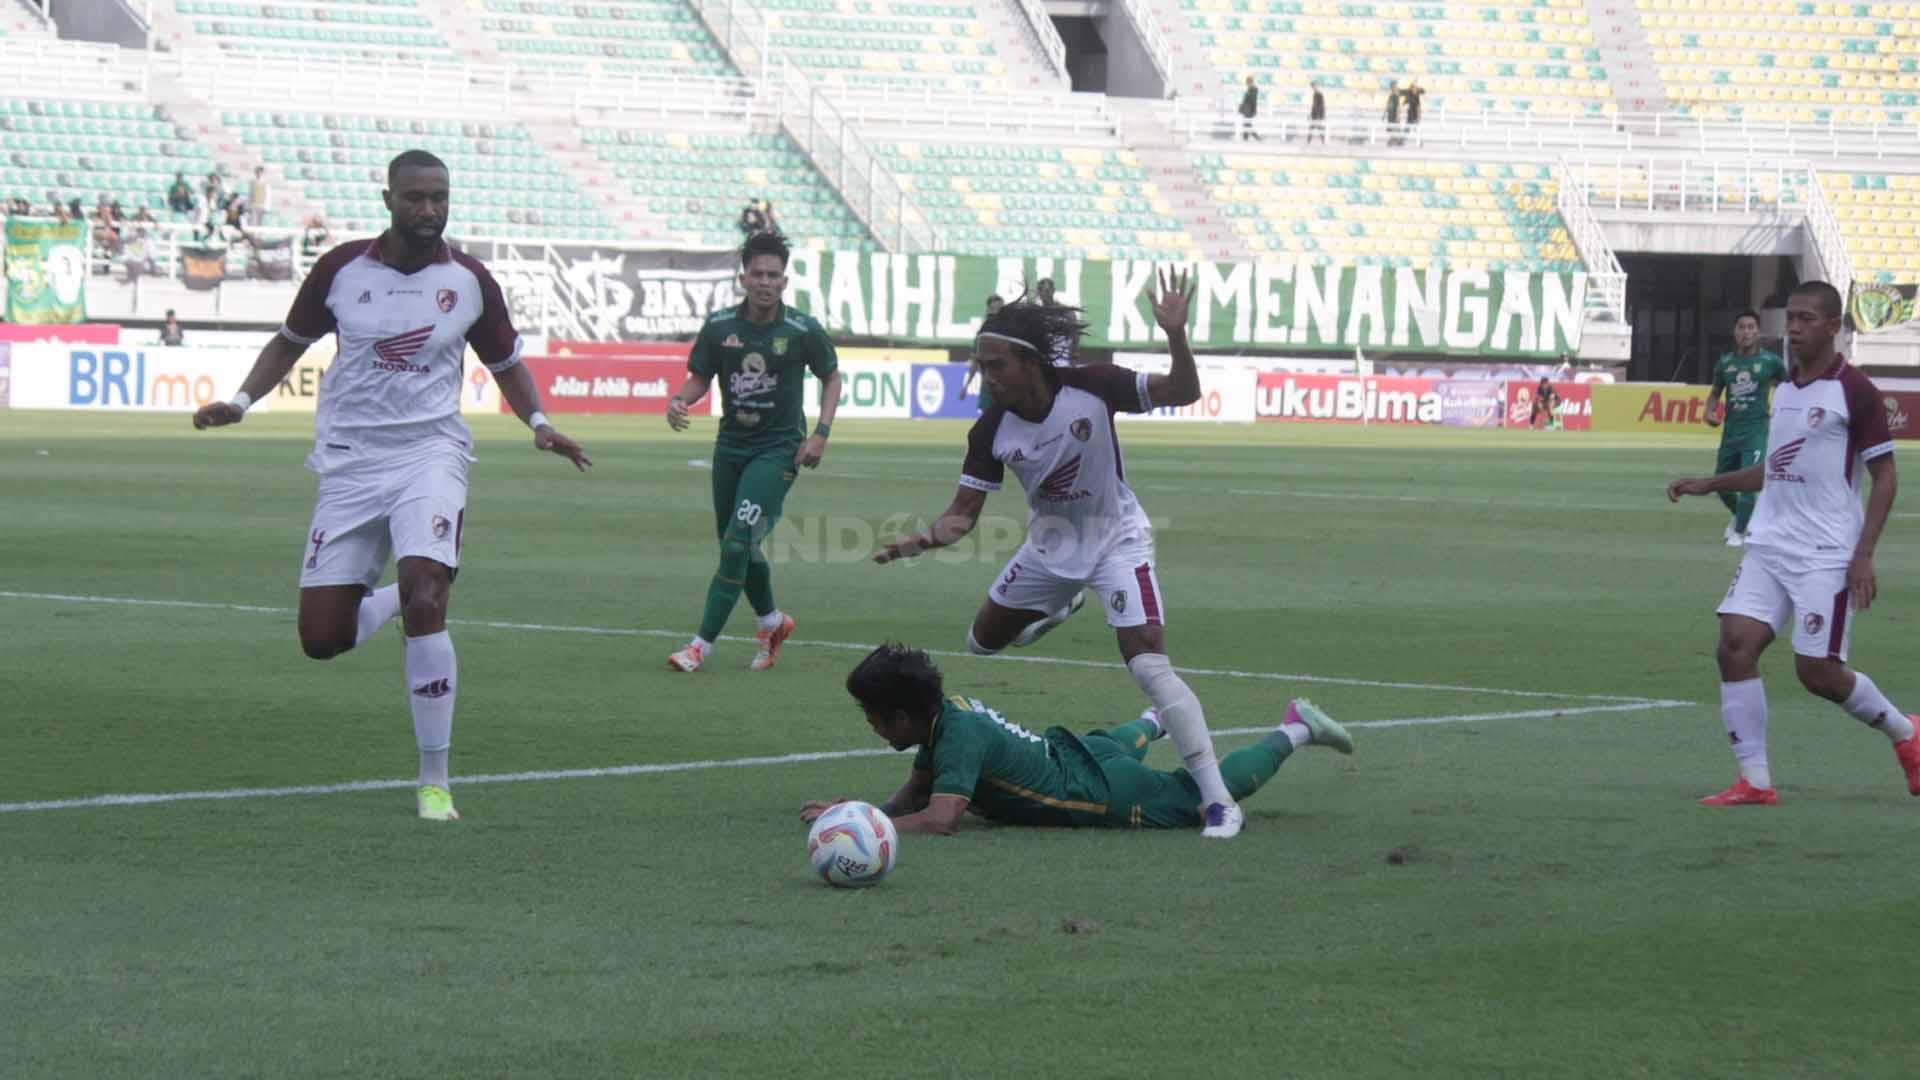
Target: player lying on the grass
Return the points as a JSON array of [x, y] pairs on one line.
[[1809, 547], [389, 445], [971, 757], [1085, 530]]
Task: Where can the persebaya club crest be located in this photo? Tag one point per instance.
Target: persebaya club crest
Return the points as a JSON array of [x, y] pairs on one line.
[[780, 346], [1880, 307]]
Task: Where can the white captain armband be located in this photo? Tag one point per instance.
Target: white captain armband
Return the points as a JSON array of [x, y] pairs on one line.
[[538, 420]]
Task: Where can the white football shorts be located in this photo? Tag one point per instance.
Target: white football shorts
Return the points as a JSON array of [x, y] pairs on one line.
[[364, 517], [1773, 591], [1124, 580]]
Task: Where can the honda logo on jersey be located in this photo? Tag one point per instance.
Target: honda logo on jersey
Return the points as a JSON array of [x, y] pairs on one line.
[[1058, 486], [397, 352], [1779, 461], [447, 299]]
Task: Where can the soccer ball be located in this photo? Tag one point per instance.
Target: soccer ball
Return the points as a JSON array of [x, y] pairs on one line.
[[852, 845]]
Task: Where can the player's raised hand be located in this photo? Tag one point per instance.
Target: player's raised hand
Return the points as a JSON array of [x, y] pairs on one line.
[[810, 452], [545, 438], [1862, 585], [1171, 299], [1689, 485], [812, 810], [900, 547], [216, 414], [677, 418]]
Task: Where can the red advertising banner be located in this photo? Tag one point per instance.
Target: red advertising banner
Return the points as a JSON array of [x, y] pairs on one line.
[[1348, 399], [592, 384], [1571, 409], [1903, 413], [627, 350], [71, 333]]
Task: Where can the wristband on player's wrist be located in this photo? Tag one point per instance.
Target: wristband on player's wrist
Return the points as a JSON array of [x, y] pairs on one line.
[[537, 420], [241, 400], [823, 429]]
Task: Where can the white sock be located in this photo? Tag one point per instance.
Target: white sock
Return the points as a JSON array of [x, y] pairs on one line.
[[1871, 707], [702, 644], [771, 620], [1184, 720], [432, 677], [974, 646], [377, 609], [1297, 733], [1743, 708]]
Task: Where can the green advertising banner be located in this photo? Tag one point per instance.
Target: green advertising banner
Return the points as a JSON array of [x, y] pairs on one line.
[[46, 270], [1238, 306]]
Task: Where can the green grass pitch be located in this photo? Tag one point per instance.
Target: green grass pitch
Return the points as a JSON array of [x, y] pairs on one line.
[[1516, 882]]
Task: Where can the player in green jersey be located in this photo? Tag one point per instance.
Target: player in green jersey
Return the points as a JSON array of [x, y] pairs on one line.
[[1747, 376], [760, 351], [971, 757]]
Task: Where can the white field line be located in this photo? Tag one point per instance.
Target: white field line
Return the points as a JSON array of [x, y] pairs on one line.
[[155, 798], [851, 646]]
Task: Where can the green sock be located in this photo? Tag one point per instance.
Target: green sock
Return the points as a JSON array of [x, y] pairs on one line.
[[1247, 768], [724, 591], [760, 585], [1743, 509], [1135, 735]]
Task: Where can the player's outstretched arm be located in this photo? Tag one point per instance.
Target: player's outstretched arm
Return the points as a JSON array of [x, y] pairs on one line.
[[955, 522], [1862, 583], [516, 386], [1172, 299], [941, 816], [912, 797], [276, 358], [1747, 479], [684, 398]]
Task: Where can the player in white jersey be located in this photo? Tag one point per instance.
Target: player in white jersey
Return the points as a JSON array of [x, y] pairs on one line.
[[1085, 530], [389, 446], [1809, 547]]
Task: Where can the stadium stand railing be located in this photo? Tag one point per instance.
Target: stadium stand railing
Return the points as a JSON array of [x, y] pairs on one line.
[[1039, 26], [1607, 281], [1829, 239], [48, 67], [1148, 29], [1688, 186], [397, 87], [817, 124]]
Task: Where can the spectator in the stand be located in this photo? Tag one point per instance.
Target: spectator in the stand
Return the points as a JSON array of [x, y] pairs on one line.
[[170, 332], [60, 213], [143, 218], [234, 222], [1249, 108], [1413, 95], [753, 220], [773, 223], [214, 192], [106, 235], [180, 195], [258, 196], [1317, 115], [1393, 114], [1060, 349], [314, 240]]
